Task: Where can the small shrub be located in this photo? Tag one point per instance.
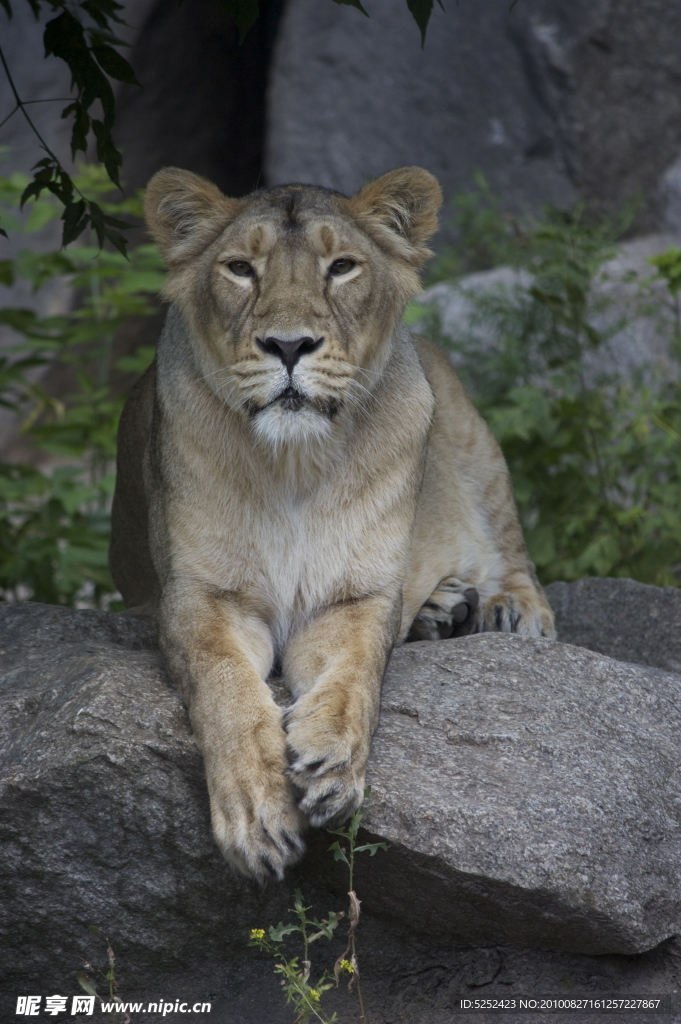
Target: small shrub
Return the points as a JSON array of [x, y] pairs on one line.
[[299, 988], [594, 451], [54, 524]]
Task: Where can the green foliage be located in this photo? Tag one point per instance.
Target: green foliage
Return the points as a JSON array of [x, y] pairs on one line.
[[668, 265], [54, 526], [486, 235], [421, 11], [298, 991], [594, 451]]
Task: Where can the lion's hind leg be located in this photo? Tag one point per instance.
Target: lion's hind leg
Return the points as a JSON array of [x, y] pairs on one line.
[[448, 612]]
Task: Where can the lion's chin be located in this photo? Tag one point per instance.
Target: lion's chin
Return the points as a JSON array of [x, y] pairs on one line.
[[278, 425]]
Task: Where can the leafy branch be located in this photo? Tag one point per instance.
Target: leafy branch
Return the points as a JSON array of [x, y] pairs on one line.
[[82, 35]]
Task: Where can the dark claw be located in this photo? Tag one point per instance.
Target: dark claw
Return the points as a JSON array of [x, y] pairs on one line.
[[269, 867], [292, 842], [460, 613], [325, 797]]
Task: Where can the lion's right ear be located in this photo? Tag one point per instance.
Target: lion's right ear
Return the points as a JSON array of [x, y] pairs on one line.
[[185, 212]]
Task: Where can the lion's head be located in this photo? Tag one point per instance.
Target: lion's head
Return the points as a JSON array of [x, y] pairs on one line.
[[292, 293]]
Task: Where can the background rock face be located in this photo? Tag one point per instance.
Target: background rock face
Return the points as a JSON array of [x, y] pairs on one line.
[[549, 100], [351, 97], [530, 793]]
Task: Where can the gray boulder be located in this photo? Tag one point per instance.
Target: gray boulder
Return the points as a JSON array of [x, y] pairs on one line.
[[632, 310], [623, 619], [529, 791], [531, 794]]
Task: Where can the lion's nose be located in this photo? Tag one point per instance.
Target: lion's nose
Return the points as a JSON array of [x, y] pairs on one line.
[[289, 351]]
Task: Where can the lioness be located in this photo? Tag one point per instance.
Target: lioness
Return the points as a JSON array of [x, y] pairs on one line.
[[301, 483]]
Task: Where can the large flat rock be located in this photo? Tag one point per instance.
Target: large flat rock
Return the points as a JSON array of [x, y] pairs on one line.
[[530, 792]]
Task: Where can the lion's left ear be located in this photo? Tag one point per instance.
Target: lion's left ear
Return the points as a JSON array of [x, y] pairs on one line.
[[405, 203]]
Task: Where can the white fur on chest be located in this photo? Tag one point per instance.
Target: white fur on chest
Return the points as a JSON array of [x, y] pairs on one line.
[[291, 555]]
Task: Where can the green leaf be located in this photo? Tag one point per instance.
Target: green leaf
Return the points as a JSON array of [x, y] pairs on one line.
[[103, 11], [278, 933], [339, 853], [421, 11], [64, 37], [75, 221], [114, 64], [7, 272], [244, 13], [371, 848], [106, 150], [352, 3], [80, 128], [86, 983]]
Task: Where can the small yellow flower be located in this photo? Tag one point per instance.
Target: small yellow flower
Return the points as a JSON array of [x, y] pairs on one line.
[[313, 994], [257, 933], [345, 965]]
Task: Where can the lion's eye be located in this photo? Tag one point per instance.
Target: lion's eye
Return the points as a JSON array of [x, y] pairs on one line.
[[340, 267], [241, 268]]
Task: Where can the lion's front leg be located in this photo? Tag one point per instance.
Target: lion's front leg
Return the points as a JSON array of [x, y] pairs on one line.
[[220, 654], [334, 666]]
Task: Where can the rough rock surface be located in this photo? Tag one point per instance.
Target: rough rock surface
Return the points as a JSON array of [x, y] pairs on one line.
[[623, 619], [550, 99], [533, 789], [514, 818], [351, 97]]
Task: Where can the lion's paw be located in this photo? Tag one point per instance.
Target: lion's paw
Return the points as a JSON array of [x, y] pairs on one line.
[[327, 779], [256, 821], [448, 611], [526, 614]]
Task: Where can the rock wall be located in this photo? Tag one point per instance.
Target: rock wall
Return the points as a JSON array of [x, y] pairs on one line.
[[552, 101]]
